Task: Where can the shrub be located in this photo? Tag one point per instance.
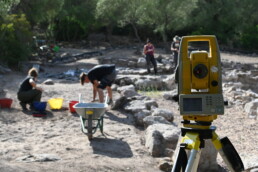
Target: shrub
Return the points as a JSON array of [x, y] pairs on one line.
[[249, 38], [15, 39]]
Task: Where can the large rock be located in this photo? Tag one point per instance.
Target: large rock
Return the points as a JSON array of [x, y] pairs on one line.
[[135, 106], [159, 58], [140, 104], [127, 87], [132, 64], [230, 76], [140, 116], [127, 91], [251, 109], [150, 104], [122, 62], [169, 95], [168, 115], [150, 120], [168, 68], [158, 137], [165, 164], [154, 143], [122, 81], [141, 62], [150, 84], [248, 78], [114, 87], [119, 103], [208, 159], [170, 82], [165, 68], [48, 82]]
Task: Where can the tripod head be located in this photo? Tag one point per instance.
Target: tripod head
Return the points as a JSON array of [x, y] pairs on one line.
[[200, 83]]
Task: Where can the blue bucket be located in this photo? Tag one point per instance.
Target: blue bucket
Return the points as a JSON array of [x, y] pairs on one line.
[[40, 106]]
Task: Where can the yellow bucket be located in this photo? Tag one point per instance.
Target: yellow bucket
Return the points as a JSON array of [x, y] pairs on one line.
[[55, 103]]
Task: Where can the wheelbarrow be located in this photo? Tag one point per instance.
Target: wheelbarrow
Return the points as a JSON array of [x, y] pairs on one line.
[[91, 115]]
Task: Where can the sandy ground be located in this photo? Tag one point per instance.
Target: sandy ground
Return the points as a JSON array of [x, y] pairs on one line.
[[59, 134], [26, 139]]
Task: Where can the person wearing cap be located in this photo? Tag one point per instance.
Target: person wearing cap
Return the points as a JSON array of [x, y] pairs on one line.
[[148, 50], [101, 77], [28, 91], [175, 48]]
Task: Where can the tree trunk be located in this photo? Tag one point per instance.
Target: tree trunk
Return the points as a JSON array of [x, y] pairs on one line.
[[136, 32], [75, 34], [68, 32], [164, 38], [2, 34], [109, 32]]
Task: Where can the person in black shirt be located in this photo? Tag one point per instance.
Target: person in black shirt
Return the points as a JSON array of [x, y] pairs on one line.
[[28, 90], [175, 48], [101, 77]]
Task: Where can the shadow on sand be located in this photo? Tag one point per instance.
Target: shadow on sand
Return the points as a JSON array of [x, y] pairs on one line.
[[124, 118], [45, 114], [111, 148]]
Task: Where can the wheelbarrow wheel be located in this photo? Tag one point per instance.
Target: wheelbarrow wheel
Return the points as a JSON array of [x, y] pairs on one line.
[[90, 136], [90, 127]]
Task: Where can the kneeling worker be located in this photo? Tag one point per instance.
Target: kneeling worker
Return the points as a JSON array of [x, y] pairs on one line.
[[101, 77], [29, 92]]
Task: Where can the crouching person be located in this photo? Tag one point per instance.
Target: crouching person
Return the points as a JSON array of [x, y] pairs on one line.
[[28, 90], [101, 77]]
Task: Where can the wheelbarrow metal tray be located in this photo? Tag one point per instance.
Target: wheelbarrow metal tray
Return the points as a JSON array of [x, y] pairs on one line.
[[94, 109]]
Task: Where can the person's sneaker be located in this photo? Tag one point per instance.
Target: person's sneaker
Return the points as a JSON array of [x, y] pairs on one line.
[[110, 102], [23, 105]]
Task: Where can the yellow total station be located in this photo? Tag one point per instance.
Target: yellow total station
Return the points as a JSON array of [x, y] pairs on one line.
[[200, 83], [201, 100]]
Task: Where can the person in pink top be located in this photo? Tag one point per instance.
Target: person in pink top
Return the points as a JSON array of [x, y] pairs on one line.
[[148, 50]]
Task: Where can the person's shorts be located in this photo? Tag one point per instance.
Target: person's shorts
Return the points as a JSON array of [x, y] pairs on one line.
[[108, 80]]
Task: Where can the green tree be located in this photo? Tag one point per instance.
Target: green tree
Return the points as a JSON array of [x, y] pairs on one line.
[[6, 6], [233, 22], [131, 15], [16, 42], [40, 13], [248, 25], [109, 12], [166, 15], [214, 17], [75, 20]]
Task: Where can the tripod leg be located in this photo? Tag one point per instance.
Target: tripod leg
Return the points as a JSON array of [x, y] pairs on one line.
[[228, 153], [181, 159], [190, 142], [193, 144], [193, 161]]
